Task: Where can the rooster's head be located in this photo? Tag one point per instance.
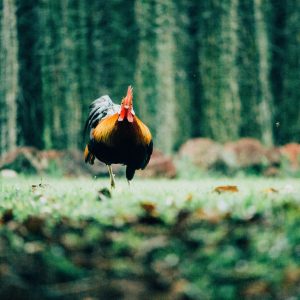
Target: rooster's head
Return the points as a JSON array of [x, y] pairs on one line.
[[126, 110]]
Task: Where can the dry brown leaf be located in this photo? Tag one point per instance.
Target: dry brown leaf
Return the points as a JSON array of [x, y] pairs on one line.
[[189, 197], [149, 208], [292, 275], [129, 218], [256, 289], [212, 217], [270, 190], [179, 286], [226, 188]]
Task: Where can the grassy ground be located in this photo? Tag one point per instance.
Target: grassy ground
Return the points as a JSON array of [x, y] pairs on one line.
[[66, 239]]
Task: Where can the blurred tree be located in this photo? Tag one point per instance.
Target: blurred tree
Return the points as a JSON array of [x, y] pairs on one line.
[[9, 67], [185, 73], [193, 69], [166, 116], [218, 47], [247, 59], [145, 73], [60, 73], [95, 73], [222, 69], [254, 69], [50, 16], [112, 46], [71, 115], [163, 91], [30, 104], [278, 37], [265, 99], [86, 87], [288, 109]]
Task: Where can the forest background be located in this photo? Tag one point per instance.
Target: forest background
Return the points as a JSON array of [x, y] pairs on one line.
[[222, 69]]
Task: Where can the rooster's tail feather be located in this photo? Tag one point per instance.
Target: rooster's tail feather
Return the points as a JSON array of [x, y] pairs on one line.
[[88, 156]]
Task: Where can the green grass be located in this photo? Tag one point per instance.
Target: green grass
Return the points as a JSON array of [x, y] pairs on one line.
[[174, 239], [78, 198]]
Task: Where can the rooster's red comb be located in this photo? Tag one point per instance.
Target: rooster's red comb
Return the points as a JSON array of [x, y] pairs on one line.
[[130, 92]]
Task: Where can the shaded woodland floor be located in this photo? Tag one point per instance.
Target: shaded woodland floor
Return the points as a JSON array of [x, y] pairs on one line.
[[158, 239]]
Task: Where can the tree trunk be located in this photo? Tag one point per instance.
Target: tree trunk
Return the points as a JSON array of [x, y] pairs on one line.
[[9, 69], [145, 91], [184, 113], [265, 101], [166, 118], [218, 69], [289, 110], [30, 105], [254, 71]]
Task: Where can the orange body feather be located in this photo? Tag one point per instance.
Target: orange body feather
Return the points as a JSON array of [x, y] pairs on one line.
[[110, 131]]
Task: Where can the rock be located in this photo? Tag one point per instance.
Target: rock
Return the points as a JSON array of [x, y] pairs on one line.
[[203, 152], [68, 163], [71, 164], [160, 165], [273, 156], [272, 163], [7, 173], [292, 153], [271, 172], [244, 153], [24, 159]]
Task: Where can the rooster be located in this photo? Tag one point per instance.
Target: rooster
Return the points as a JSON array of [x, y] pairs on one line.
[[117, 136]]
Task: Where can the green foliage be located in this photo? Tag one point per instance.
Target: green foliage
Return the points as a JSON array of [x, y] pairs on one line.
[[187, 242]]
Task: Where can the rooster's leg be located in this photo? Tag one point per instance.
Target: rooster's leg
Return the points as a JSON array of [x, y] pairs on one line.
[[112, 177]]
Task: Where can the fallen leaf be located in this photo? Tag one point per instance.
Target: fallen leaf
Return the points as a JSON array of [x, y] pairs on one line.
[[292, 276], [149, 208], [180, 286], [256, 289], [212, 217], [189, 197], [270, 190], [129, 218], [226, 188]]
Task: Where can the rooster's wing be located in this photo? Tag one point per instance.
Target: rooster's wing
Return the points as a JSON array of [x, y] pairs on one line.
[[100, 109]]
